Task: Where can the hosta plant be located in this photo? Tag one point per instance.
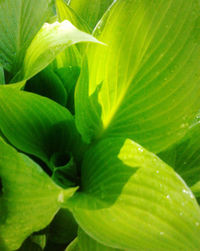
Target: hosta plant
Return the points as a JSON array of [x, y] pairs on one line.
[[99, 125]]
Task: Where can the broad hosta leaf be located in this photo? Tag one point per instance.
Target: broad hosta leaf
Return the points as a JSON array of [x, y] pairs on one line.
[[29, 198], [184, 157], [146, 80], [130, 199], [35, 124], [20, 20], [48, 43], [85, 243], [90, 10]]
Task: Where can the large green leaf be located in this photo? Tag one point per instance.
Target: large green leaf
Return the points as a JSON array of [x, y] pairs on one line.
[[130, 199], [90, 10], [146, 81], [47, 44], [20, 20], [35, 124], [29, 198]]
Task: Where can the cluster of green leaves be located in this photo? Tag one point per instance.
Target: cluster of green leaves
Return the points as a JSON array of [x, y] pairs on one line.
[[99, 141]]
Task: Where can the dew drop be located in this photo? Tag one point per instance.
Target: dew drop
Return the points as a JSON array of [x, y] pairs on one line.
[[197, 223], [185, 191], [168, 196], [161, 233], [157, 171], [140, 149], [61, 197]]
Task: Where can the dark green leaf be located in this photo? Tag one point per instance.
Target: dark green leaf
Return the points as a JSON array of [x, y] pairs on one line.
[[20, 20], [48, 84], [35, 124]]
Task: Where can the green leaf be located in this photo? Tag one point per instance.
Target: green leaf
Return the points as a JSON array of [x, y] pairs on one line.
[[20, 20], [196, 189], [63, 228], [184, 156], [47, 44], [34, 243], [29, 198], [2, 77], [73, 246], [148, 72], [69, 76], [85, 243], [90, 10], [35, 124], [70, 57], [48, 84], [130, 199], [65, 12]]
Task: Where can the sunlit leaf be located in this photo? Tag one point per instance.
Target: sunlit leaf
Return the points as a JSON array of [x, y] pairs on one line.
[[146, 80], [130, 199], [85, 243], [90, 10], [29, 198], [65, 12], [47, 44]]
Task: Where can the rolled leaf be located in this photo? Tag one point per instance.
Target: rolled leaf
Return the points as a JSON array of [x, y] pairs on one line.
[[48, 43]]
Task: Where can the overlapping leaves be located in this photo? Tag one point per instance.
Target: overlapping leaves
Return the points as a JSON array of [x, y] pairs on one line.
[[132, 200], [29, 198], [144, 85]]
